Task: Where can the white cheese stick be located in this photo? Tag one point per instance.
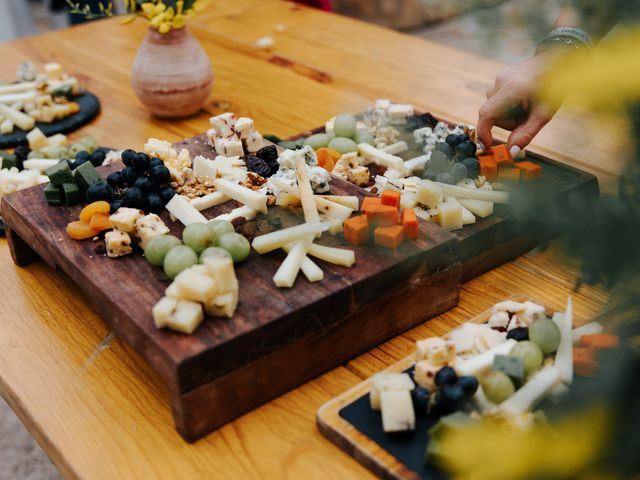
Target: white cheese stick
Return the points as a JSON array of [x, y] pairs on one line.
[[18, 87], [208, 201], [12, 98], [335, 210], [531, 392], [337, 256], [186, 213], [474, 194], [477, 207], [381, 157], [286, 275], [309, 268], [22, 120], [247, 212], [564, 354], [39, 164], [480, 363], [244, 195], [350, 201], [396, 148], [306, 192], [592, 328], [279, 238]]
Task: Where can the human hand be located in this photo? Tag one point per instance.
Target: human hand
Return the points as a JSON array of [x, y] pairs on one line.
[[512, 104]]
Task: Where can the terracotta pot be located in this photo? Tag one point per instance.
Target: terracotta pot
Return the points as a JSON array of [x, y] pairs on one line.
[[171, 73]]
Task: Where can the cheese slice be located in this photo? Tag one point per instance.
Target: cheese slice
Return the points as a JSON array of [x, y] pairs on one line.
[[186, 213]]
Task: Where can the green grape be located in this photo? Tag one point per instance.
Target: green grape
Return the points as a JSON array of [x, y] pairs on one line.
[[497, 386], [546, 334], [158, 247], [343, 145], [179, 258], [331, 134], [237, 246], [364, 136], [220, 227], [531, 354], [319, 140], [198, 236], [213, 252], [345, 125]]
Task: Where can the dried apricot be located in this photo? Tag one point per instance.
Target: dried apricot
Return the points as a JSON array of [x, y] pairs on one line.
[[100, 222], [95, 207], [80, 230], [325, 159]]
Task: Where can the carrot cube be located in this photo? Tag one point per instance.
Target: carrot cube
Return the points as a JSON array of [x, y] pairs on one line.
[[529, 170], [410, 223], [391, 198], [368, 202], [383, 215], [488, 167], [389, 237], [502, 155], [584, 361], [600, 341], [508, 173], [356, 230]]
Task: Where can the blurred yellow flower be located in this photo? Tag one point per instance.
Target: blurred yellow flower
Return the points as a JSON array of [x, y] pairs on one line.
[[162, 17]]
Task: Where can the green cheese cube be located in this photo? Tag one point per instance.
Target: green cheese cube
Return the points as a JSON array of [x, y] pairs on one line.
[[60, 173], [72, 193], [86, 175], [8, 160], [53, 195], [511, 366]]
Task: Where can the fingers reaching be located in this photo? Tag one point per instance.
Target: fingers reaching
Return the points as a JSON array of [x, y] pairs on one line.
[[490, 113], [525, 133]]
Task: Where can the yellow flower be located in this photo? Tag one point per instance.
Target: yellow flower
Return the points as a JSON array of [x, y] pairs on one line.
[[179, 21], [149, 9], [179, 6], [157, 20], [168, 15], [164, 27]]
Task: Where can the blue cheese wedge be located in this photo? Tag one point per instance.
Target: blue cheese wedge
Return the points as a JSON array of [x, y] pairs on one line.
[[148, 227], [118, 244], [125, 218]]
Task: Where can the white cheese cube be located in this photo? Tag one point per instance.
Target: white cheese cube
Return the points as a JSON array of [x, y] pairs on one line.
[[223, 305], [408, 200], [287, 160], [382, 382], [195, 287], [284, 199], [429, 194], [223, 124], [148, 227], [125, 218], [425, 374], [163, 310], [383, 104], [488, 338], [6, 126], [499, 320], [398, 113], [118, 244], [328, 126], [185, 318], [254, 142], [173, 291], [450, 215], [435, 350], [398, 414], [57, 139], [243, 127], [229, 147], [464, 337], [53, 71], [36, 139], [203, 167], [222, 271], [349, 160]]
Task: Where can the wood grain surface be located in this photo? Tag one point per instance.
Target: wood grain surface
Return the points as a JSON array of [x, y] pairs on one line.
[[90, 400]]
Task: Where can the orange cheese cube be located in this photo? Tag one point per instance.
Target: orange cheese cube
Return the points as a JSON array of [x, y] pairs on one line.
[[410, 223], [368, 202], [584, 362], [508, 173], [383, 215], [529, 170], [502, 155], [488, 167], [389, 237], [391, 198], [356, 230], [600, 341]]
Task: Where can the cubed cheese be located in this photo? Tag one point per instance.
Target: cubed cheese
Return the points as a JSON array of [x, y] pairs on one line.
[[118, 244], [254, 142], [36, 139], [435, 350], [243, 127], [148, 227], [429, 194], [381, 382], [398, 113], [124, 219], [398, 414], [223, 305], [425, 374], [53, 71], [179, 315], [320, 179], [229, 147], [450, 215], [223, 124], [195, 286]]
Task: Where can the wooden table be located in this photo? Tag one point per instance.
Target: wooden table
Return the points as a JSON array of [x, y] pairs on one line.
[[89, 400]]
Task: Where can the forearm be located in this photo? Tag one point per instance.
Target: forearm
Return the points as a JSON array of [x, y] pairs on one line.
[[596, 18]]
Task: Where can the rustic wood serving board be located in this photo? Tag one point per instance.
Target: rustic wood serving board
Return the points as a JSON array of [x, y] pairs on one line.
[[278, 339], [349, 422], [501, 237]]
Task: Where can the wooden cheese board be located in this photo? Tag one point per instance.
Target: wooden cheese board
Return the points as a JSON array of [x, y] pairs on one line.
[[349, 422], [89, 109], [501, 237], [277, 339]]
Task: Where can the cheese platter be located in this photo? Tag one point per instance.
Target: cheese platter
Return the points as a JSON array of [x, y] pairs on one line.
[[222, 280], [505, 367], [51, 100], [443, 172]]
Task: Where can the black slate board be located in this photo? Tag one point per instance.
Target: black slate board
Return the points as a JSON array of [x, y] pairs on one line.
[[89, 109]]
